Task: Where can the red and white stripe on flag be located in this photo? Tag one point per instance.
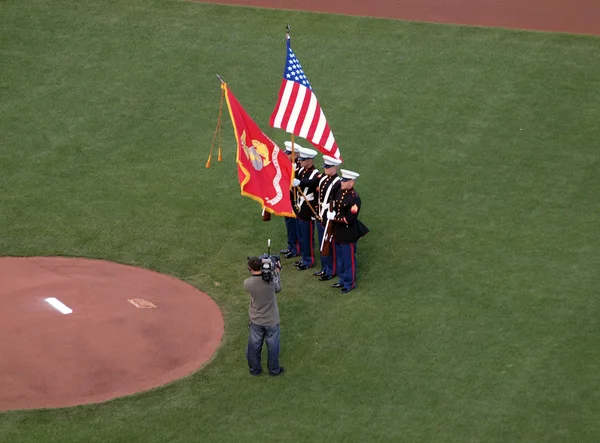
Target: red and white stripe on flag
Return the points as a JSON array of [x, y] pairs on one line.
[[298, 112]]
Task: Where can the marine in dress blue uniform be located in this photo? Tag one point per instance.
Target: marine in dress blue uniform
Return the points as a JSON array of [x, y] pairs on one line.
[[328, 183], [305, 207], [291, 224], [347, 230]]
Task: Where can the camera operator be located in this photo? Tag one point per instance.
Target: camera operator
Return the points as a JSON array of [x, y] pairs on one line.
[[262, 285]]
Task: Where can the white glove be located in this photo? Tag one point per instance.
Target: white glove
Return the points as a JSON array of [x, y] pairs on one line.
[[330, 215], [310, 197], [296, 182]]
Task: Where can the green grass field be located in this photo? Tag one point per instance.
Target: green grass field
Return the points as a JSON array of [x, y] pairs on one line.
[[476, 314]]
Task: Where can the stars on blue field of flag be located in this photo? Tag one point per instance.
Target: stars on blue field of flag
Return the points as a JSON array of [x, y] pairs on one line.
[[293, 70]]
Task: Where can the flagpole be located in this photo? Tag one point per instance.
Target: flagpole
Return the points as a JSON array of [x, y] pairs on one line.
[[317, 216], [287, 37], [266, 215]]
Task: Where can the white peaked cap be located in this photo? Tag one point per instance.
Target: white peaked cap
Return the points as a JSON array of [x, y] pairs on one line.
[[288, 146], [330, 161], [306, 153], [349, 175]]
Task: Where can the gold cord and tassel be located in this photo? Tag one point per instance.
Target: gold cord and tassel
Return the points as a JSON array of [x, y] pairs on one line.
[[217, 135]]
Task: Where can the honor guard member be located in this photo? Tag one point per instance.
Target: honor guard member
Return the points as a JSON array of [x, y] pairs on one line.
[[306, 202], [291, 223], [347, 230], [329, 183]]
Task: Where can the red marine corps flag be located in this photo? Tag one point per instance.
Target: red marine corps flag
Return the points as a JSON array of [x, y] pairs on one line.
[[264, 170]]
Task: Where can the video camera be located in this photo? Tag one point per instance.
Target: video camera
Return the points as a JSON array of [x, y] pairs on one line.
[[271, 265]]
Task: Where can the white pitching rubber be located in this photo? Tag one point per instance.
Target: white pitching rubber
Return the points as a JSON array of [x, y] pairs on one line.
[[58, 305]]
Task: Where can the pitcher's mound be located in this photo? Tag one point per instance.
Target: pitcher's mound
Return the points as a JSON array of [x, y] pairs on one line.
[[78, 331]]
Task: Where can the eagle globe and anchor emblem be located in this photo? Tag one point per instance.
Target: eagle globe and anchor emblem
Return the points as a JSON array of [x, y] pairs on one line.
[[257, 152]]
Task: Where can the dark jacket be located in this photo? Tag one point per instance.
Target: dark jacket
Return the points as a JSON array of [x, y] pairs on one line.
[[327, 190], [309, 188], [347, 208]]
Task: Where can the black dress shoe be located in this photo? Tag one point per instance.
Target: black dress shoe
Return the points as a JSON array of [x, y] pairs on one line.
[[298, 263], [319, 273], [345, 290], [337, 285], [325, 277], [290, 254], [285, 251], [303, 267]]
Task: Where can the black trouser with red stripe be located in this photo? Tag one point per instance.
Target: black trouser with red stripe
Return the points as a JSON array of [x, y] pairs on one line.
[[328, 264], [346, 264], [306, 234], [291, 225]]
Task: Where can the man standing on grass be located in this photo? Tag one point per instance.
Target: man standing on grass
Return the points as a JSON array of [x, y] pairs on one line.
[[264, 317], [327, 184], [291, 223], [347, 230], [306, 207]]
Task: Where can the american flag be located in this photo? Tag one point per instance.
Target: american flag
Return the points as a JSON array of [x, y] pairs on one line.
[[298, 111]]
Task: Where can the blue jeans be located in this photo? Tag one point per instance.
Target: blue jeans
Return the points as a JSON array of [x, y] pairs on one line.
[[256, 336]]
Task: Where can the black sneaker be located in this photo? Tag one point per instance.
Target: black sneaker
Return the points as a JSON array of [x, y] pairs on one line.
[[281, 369]]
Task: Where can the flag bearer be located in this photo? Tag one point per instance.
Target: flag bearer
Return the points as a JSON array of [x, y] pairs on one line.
[[306, 204]]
